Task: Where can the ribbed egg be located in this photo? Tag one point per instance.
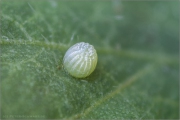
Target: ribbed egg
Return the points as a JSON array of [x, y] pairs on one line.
[[80, 60]]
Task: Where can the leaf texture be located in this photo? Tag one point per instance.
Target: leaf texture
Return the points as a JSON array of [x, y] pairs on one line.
[[137, 75]]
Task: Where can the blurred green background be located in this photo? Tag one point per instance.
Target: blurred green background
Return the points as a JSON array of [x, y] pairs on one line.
[[137, 76]]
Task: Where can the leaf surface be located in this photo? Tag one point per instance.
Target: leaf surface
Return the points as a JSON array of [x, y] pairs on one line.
[[137, 72]]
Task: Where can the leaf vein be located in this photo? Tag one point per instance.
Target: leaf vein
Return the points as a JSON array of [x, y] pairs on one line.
[[119, 89]]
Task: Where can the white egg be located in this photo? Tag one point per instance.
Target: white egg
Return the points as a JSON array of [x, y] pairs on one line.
[[80, 60]]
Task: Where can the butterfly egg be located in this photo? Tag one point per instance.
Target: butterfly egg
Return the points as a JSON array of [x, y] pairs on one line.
[[80, 60]]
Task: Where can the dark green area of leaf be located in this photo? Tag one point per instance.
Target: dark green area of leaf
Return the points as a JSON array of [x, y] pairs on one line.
[[137, 75]]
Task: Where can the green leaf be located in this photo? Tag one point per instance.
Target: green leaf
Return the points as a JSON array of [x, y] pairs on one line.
[[137, 72]]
